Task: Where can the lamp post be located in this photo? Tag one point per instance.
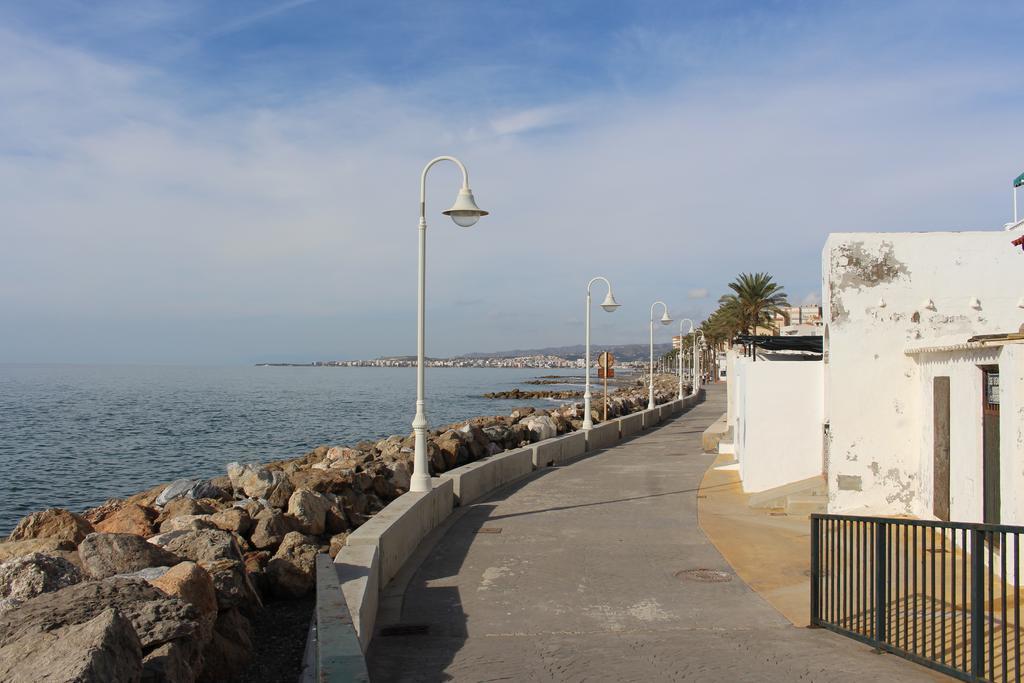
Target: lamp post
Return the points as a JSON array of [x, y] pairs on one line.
[[609, 304], [681, 338], [696, 360], [465, 213], [665, 320]]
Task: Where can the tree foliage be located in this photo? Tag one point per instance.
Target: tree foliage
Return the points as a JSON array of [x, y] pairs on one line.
[[753, 303]]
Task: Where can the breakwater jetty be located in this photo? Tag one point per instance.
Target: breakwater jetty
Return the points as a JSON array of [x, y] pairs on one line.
[[166, 584]]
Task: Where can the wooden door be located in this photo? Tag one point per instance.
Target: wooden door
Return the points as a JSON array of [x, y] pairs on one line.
[[940, 440]]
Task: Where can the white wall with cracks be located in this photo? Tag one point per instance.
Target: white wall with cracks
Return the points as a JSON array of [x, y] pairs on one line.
[[886, 294]]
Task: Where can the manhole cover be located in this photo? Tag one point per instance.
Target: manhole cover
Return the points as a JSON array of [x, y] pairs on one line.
[[704, 575]]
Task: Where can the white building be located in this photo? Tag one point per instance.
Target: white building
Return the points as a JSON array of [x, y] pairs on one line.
[[917, 407], [900, 313]]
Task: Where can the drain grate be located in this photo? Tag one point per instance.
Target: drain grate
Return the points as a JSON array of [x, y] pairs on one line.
[[405, 630], [704, 575], [489, 530]]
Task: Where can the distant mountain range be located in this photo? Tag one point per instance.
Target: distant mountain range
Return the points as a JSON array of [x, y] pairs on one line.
[[623, 352]]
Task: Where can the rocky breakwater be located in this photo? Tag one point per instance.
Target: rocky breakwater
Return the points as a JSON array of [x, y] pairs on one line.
[[163, 585], [521, 395]]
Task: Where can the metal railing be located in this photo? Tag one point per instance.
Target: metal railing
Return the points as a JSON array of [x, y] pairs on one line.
[[942, 594]]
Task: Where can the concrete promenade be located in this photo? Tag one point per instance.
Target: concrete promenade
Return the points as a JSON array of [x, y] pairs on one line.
[[583, 572]]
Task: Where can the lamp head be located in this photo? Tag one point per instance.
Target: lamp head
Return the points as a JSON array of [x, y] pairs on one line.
[[464, 211], [610, 304], [665, 319]]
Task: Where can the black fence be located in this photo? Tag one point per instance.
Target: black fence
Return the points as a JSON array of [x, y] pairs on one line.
[[942, 594]]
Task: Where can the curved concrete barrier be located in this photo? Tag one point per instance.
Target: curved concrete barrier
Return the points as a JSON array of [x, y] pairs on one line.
[[479, 478], [401, 525], [631, 424], [651, 417], [571, 445], [603, 435], [358, 570]]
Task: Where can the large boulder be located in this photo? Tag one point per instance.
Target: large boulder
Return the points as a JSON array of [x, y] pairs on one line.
[[105, 555], [176, 489], [191, 583], [156, 618], [476, 440], [233, 519], [25, 577], [103, 648], [310, 509], [129, 518], [196, 489], [271, 527], [205, 545], [54, 523], [321, 481], [541, 427], [292, 570], [261, 482], [401, 473], [110, 554], [218, 553], [452, 449]]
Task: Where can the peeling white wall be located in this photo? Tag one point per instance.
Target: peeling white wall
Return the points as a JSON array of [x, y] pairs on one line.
[[779, 415], [876, 287]]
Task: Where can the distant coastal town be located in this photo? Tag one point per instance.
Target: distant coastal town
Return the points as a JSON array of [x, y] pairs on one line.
[[545, 362]]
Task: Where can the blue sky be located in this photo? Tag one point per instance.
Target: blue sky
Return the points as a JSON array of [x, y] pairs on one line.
[[227, 182]]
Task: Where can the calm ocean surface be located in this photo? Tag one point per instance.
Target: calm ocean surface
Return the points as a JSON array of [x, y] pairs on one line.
[[73, 435]]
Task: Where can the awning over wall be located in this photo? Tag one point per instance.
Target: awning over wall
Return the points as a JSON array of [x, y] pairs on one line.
[[810, 344]]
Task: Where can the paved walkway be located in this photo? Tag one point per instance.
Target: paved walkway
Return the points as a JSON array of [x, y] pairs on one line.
[[573, 575]]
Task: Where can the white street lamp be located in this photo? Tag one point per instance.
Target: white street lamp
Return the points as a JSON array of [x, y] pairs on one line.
[[681, 340], [609, 304], [696, 360], [665, 320], [465, 213]]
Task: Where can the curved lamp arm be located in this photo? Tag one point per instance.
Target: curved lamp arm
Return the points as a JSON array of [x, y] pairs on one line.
[[423, 179], [663, 306], [602, 279]]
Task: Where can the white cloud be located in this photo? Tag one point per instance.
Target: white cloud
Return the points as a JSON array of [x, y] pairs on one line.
[[123, 202]]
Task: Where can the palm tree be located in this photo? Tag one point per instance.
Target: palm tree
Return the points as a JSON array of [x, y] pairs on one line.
[[755, 300]]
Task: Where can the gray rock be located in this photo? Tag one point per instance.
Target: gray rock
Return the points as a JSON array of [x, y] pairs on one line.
[[176, 489], [103, 648], [26, 577], [156, 618], [541, 427], [105, 555], [147, 574], [206, 489], [205, 545]]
